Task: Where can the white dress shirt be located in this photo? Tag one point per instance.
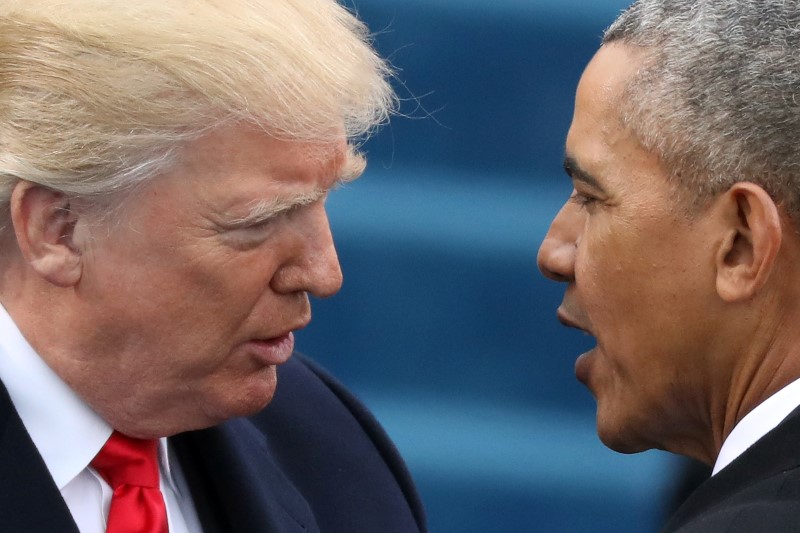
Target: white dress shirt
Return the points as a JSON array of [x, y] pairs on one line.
[[757, 423], [68, 435]]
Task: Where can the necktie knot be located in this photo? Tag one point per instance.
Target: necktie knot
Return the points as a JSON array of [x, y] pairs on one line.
[[128, 461], [130, 466]]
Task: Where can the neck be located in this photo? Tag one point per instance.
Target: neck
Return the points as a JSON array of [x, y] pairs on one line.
[[768, 360]]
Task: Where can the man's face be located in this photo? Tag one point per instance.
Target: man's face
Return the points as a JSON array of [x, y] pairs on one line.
[[639, 272], [191, 299]]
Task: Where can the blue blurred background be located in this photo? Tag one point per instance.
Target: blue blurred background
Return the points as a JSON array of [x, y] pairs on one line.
[[444, 325]]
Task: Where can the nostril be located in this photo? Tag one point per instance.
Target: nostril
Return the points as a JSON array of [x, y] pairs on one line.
[[555, 276]]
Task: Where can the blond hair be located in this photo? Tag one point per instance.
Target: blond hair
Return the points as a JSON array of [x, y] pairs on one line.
[[99, 95]]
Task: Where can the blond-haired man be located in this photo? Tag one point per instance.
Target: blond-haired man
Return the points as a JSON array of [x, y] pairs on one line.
[[163, 171]]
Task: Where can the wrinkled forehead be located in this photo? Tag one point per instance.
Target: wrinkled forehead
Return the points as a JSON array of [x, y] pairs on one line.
[[233, 168], [246, 149]]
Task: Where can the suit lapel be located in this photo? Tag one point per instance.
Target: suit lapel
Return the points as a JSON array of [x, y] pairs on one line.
[[774, 453], [29, 499], [235, 484]]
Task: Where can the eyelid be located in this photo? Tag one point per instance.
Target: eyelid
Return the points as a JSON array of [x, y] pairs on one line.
[[582, 199]]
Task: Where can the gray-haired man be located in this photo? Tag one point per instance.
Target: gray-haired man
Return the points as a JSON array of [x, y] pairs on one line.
[[681, 252]]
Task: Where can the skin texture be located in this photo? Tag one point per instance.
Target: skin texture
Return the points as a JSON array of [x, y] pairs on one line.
[[175, 316], [682, 304]]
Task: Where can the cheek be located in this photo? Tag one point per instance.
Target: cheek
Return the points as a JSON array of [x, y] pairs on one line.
[[617, 279], [607, 270], [220, 277], [625, 260]]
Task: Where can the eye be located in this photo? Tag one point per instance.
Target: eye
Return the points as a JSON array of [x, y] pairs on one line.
[[251, 234], [266, 223], [260, 225], [583, 200]]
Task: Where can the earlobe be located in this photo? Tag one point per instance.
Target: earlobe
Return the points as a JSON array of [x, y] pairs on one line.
[[44, 226], [751, 241]]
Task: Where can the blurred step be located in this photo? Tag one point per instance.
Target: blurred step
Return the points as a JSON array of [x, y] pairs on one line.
[[442, 293]]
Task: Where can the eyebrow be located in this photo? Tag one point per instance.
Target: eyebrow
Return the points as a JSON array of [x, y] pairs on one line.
[[574, 171], [263, 210]]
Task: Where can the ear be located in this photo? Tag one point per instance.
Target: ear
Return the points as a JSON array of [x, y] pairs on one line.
[[44, 227], [752, 240]]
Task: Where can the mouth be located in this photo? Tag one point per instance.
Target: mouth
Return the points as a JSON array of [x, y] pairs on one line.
[[584, 362], [567, 320], [272, 351], [275, 350]]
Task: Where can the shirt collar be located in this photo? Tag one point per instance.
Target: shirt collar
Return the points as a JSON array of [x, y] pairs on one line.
[[67, 433], [757, 423]]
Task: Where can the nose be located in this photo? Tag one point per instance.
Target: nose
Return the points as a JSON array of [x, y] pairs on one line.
[[556, 259], [315, 267]]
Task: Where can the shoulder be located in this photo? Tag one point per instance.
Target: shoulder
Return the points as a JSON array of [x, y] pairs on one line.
[[337, 454], [755, 517], [758, 491], [771, 504]]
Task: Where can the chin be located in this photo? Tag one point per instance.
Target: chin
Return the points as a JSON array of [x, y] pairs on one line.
[[619, 436], [621, 445], [233, 406], [218, 402], [247, 398]]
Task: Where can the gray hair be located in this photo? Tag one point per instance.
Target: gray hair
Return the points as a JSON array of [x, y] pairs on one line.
[[718, 95], [97, 96]]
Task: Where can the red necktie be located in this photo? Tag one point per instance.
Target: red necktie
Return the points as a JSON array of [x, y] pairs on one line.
[[131, 468]]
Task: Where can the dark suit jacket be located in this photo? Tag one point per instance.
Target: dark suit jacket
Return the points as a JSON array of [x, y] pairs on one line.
[[313, 461], [758, 492]]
